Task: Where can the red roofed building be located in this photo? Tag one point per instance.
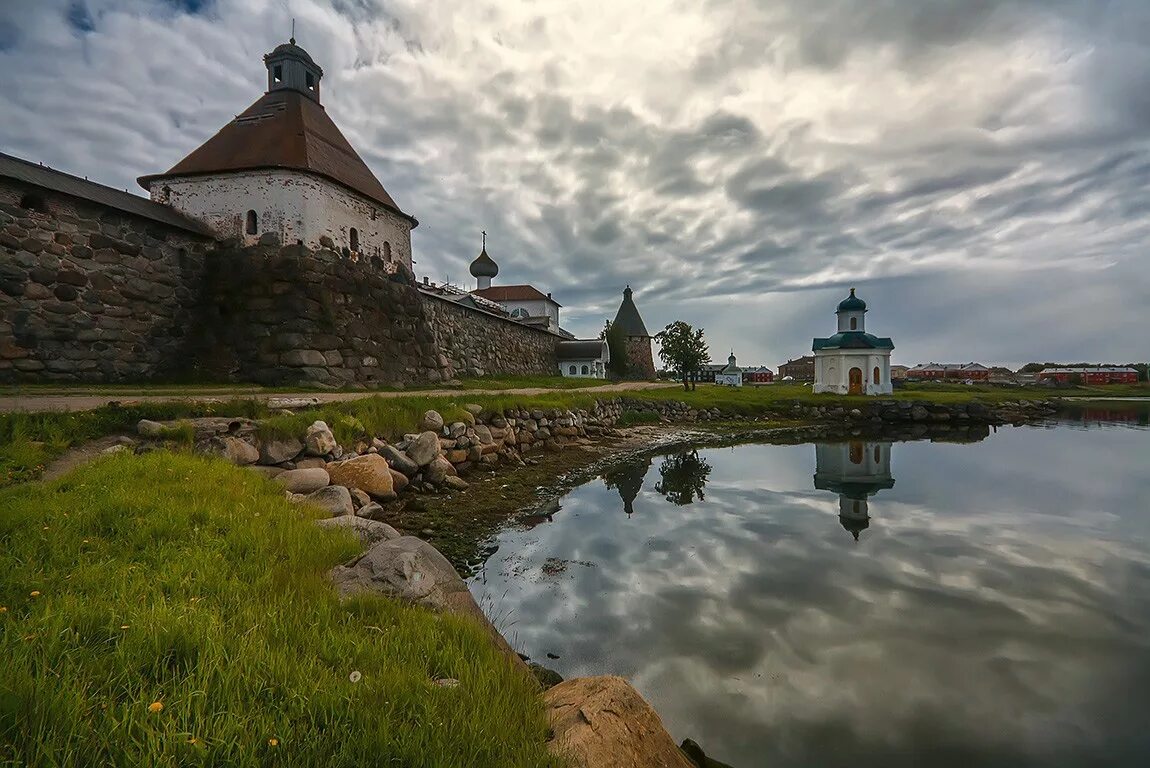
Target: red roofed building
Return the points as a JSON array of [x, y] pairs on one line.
[[1103, 374]]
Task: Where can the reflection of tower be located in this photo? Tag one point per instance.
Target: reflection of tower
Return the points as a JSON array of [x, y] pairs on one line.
[[627, 479], [854, 470]]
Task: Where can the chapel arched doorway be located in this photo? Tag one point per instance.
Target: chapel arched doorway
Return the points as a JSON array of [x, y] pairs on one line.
[[856, 382]]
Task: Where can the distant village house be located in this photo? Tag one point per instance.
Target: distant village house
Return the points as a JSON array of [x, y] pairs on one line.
[[1103, 374], [949, 372]]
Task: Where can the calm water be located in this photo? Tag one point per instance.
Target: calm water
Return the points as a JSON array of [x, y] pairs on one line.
[[994, 609]]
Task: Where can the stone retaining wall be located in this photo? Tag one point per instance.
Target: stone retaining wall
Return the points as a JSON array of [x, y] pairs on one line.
[[90, 294], [481, 344], [284, 315]]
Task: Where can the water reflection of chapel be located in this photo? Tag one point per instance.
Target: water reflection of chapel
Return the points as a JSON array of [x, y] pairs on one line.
[[855, 470], [627, 478]]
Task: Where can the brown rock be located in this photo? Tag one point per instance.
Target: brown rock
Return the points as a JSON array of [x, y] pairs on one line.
[[399, 480], [369, 474], [602, 722]]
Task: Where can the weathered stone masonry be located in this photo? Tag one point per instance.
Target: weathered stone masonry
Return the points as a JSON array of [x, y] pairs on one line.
[[88, 293], [478, 344], [283, 315]]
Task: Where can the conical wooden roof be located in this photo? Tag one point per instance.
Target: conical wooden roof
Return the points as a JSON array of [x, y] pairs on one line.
[[283, 129], [628, 317]]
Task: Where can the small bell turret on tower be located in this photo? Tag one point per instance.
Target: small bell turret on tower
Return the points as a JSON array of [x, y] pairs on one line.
[[291, 68], [850, 313], [484, 267]]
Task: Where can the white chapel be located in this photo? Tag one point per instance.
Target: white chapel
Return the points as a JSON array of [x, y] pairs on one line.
[[852, 362]]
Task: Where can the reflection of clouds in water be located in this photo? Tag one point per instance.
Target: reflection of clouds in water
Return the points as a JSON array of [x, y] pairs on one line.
[[756, 625]]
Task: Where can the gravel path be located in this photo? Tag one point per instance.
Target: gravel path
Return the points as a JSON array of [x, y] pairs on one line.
[[79, 400]]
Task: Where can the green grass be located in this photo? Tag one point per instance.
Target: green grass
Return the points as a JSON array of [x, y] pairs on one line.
[[632, 418], [28, 441], [175, 579]]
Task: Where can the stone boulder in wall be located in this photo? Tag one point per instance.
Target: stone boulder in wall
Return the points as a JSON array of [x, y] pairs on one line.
[[369, 473]]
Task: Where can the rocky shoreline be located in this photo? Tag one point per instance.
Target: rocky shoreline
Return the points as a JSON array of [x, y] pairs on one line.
[[595, 721]]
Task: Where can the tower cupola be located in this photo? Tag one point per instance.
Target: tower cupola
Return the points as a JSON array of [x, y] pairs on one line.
[[291, 68], [850, 313], [484, 267]]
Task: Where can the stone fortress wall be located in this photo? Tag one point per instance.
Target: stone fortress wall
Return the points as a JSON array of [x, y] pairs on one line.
[[479, 344], [88, 293], [92, 294]]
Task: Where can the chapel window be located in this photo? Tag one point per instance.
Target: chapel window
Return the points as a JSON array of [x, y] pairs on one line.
[[354, 237], [278, 73], [252, 223], [875, 375], [571, 370], [586, 370], [387, 251], [854, 323], [310, 81]]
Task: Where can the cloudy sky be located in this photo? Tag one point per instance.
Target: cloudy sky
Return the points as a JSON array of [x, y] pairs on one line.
[[978, 169]]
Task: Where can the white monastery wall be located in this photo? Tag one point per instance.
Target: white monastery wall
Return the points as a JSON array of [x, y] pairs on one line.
[[295, 206], [574, 368]]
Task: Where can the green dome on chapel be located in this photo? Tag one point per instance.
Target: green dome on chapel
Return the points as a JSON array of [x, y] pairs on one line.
[[852, 303]]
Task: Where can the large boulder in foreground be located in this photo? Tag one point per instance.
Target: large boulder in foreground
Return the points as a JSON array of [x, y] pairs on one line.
[[602, 722], [410, 569], [369, 473], [369, 531]]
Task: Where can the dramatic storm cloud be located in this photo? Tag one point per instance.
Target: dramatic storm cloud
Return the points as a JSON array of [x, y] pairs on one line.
[[977, 168]]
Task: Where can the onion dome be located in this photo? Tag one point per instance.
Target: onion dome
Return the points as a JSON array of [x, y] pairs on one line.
[[852, 303], [484, 265]]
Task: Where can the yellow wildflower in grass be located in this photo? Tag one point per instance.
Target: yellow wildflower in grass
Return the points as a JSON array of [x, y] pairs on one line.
[[35, 593], [273, 742], [156, 706], [123, 626], [3, 609]]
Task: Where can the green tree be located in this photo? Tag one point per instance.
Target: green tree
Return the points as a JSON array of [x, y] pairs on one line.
[[683, 350], [683, 477], [617, 345]]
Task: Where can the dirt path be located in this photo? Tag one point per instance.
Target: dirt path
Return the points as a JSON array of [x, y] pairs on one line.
[[81, 401]]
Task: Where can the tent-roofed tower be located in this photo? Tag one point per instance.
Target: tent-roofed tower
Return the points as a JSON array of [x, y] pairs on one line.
[[640, 363], [283, 168]]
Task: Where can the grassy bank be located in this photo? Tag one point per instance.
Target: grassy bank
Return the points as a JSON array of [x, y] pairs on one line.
[[29, 441], [169, 610]]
